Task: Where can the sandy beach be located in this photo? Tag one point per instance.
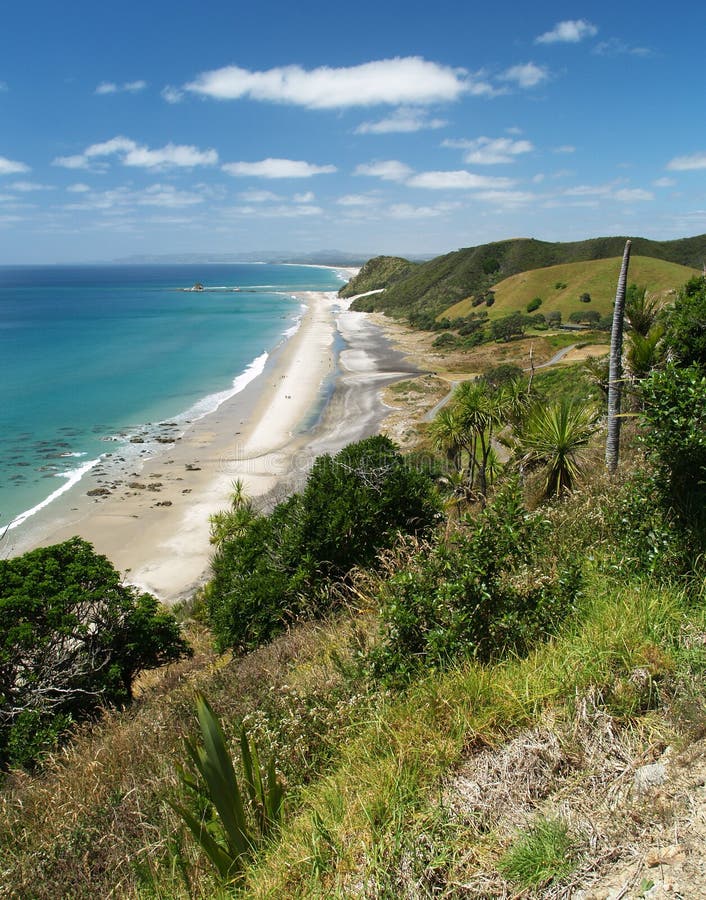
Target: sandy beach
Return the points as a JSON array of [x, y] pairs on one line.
[[319, 391]]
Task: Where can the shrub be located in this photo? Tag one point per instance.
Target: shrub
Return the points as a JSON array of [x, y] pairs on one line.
[[674, 411], [586, 317], [686, 324], [503, 374], [278, 568], [73, 639], [554, 318], [479, 596], [534, 304], [585, 298], [447, 339]]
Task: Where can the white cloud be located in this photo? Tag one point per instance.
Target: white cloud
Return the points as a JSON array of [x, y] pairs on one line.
[[402, 121], [526, 75], [180, 155], [28, 186], [409, 80], [282, 211], [633, 195], [565, 148], [172, 94], [507, 199], [664, 182], [408, 211], [683, 163], [589, 190], [359, 200], [117, 200], [171, 155], [78, 188], [459, 180], [571, 31], [609, 192], [618, 47], [79, 161], [485, 151], [128, 87], [167, 195], [259, 197], [388, 170], [306, 197], [277, 168], [11, 166]]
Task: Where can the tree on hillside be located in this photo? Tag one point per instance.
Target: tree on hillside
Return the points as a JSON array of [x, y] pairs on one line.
[[508, 327], [73, 639]]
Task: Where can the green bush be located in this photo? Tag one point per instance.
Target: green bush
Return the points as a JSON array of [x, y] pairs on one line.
[[480, 596], [73, 639], [585, 316], [534, 304], [280, 566], [447, 339], [686, 324], [674, 413]]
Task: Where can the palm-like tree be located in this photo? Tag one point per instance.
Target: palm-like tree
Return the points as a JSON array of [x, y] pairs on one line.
[[554, 437], [473, 403], [447, 435]]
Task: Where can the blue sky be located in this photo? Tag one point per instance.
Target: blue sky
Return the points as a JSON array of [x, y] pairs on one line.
[[382, 127]]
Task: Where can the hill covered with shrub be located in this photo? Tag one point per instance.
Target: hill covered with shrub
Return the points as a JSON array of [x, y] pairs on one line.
[[423, 291]]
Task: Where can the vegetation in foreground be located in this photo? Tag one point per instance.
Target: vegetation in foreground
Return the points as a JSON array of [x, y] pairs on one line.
[[455, 721]]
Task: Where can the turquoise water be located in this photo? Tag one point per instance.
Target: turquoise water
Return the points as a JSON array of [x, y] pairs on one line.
[[93, 356]]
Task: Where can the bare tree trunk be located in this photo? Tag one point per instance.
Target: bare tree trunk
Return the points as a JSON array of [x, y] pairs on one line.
[[615, 375]]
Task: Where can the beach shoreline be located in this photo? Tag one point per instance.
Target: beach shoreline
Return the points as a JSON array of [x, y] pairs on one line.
[[152, 521]]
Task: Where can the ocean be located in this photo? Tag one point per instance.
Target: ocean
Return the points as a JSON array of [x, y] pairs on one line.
[[96, 359]]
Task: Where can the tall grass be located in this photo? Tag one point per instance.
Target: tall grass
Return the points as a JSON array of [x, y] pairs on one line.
[[387, 786]]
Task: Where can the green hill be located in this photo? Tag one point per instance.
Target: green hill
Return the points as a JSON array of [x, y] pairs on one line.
[[378, 272], [560, 287], [423, 291]]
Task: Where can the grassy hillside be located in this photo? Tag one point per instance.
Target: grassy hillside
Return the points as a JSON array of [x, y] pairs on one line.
[[378, 272], [561, 286], [429, 288]]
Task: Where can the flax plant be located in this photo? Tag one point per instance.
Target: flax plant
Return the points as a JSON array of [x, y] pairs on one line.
[[245, 818]]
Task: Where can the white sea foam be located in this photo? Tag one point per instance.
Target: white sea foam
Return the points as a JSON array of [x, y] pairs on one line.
[[72, 476]]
